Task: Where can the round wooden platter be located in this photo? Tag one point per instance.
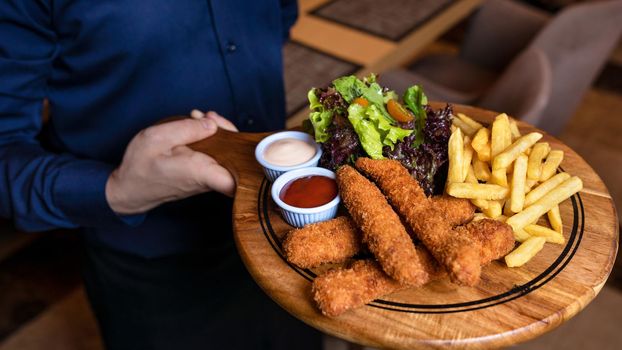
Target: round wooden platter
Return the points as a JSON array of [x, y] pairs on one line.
[[508, 306]]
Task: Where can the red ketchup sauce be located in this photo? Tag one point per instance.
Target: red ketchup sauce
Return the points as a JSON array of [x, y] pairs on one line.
[[309, 191]]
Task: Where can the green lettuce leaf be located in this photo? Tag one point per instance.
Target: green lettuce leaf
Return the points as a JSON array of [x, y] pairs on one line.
[[390, 95], [320, 122], [415, 99], [319, 117], [366, 130], [390, 134], [314, 102], [394, 135], [351, 87], [374, 130]]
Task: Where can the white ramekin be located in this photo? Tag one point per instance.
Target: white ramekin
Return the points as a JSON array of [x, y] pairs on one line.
[[273, 171], [299, 217]]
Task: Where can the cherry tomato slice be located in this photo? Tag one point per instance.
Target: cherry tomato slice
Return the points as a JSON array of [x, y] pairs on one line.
[[361, 101], [399, 112]]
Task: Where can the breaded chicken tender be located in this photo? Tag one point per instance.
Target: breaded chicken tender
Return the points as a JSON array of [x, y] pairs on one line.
[[332, 241], [338, 239], [383, 232], [458, 254], [496, 238], [340, 290], [457, 211], [343, 289]]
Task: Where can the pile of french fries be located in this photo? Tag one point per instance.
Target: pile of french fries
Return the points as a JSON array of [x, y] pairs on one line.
[[512, 178]]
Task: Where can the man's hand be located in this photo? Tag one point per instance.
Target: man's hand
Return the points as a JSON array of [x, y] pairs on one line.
[[158, 167]]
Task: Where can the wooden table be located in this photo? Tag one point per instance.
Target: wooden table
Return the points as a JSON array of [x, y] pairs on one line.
[[507, 307]]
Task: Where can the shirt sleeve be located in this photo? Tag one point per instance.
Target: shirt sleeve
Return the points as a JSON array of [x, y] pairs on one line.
[[289, 15], [40, 189]]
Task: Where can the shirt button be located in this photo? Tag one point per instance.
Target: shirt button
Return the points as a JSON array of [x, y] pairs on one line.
[[250, 121], [231, 47]]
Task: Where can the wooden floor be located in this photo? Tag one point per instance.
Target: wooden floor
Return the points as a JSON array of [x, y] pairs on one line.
[[65, 320]]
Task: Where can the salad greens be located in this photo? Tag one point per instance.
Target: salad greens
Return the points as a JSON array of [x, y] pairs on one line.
[[354, 118], [373, 124], [415, 99], [320, 117], [350, 87]]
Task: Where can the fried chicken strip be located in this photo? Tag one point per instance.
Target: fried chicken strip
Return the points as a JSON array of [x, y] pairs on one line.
[[342, 289], [383, 232], [338, 239], [457, 211], [495, 237], [458, 254], [332, 241]]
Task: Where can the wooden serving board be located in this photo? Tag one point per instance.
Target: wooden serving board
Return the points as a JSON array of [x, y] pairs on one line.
[[510, 305]]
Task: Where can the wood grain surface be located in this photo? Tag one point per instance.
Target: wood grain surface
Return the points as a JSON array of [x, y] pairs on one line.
[[510, 305]]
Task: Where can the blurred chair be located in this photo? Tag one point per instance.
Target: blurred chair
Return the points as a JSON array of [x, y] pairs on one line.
[[501, 39], [524, 89]]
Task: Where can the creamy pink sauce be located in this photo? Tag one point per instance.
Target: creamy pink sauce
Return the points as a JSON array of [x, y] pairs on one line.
[[288, 152]]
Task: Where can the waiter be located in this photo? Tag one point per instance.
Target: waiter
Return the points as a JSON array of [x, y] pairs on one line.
[[161, 269]]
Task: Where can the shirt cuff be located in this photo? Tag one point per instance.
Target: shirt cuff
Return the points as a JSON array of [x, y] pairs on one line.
[[80, 192]]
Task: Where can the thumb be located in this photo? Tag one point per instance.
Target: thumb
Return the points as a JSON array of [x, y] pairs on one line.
[[180, 132]]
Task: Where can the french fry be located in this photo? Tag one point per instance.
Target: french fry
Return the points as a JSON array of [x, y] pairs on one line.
[[500, 136], [517, 197], [467, 155], [521, 235], [470, 175], [507, 207], [541, 231], [521, 184], [455, 152], [494, 209], [527, 250], [510, 169], [551, 164], [529, 183], [469, 121], [514, 129], [484, 153], [466, 128], [534, 167], [544, 188], [555, 219], [499, 177], [480, 203], [481, 170], [481, 144], [546, 203], [453, 128], [505, 158], [477, 191], [479, 216]]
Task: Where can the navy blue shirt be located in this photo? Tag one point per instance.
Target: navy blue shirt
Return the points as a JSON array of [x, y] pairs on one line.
[[109, 69]]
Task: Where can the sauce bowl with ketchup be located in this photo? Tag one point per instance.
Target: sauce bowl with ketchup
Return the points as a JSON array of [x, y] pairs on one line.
[[286, 151], [306, 195]]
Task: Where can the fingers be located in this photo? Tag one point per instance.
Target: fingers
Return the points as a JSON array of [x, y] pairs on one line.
[[204, 170], [196, 114], [221, 121], [180, 132], [220, 180]]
